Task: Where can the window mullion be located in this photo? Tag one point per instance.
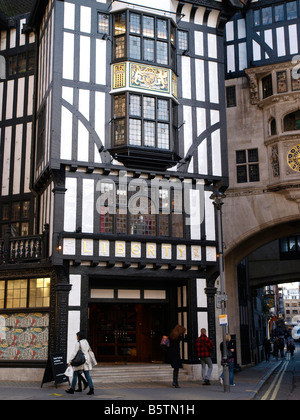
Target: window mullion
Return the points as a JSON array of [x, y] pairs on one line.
[[155, 40], [28, 293], [126, 134], [127, 29], [169, 43], [156, 123], [142, 121], [5, 295], [171, 144]]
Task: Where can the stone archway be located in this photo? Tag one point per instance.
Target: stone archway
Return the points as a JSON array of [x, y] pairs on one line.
[[249, 243]]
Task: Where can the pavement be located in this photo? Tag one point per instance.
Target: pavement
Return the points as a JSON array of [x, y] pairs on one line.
[[248, 382]]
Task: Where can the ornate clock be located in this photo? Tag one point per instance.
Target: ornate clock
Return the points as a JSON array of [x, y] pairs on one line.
[[293, 158]]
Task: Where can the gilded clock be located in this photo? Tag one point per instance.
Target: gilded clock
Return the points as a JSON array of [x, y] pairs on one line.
[[293, 158]]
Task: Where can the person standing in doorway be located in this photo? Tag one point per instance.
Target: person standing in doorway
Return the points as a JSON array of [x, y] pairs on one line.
[[83, 345], [204, 348], [174, 352]]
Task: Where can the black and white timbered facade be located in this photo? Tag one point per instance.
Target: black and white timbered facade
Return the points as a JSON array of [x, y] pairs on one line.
[[126, 107]]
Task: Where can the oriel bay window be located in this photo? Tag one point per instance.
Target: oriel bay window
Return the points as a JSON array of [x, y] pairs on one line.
[[144, 38], [144, 124], [149, 122]]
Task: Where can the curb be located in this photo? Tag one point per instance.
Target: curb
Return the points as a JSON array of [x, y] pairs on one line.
[[264, 380]]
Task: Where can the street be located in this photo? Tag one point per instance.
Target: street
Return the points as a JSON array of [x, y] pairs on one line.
[[284, 383]]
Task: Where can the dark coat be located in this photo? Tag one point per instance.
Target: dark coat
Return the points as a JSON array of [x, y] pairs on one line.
[[174, 354]]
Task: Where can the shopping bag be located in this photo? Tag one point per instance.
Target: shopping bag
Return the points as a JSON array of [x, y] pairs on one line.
[[69, 372], [165, 342], [92, 358]]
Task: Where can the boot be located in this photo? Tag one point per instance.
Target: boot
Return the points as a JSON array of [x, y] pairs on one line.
[[175, 378], [91, 391], [79, 389], [80, 381], [70, 391]]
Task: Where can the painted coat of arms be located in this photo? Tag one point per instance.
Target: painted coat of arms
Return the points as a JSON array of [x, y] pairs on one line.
[[150, 78]]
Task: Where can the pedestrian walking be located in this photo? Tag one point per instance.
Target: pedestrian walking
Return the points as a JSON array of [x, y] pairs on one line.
[[281, 346], [267, 348], [275, 348], [291, 346], [83, 345], [174, 352], [204, 348]]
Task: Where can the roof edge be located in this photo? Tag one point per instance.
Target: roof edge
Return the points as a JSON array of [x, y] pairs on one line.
[[3, 20], [37, 12]]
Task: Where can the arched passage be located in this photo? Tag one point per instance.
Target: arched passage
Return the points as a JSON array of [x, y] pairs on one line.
[[251, 241], [254, 262]]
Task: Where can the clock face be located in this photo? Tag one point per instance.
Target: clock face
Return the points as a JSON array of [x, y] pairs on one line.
[[293, 158]]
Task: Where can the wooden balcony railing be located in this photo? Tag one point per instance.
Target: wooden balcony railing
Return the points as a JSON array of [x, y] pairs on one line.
[[24, 249]]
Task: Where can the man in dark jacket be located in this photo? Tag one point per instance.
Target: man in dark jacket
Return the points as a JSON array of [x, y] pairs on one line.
[[204, 348]]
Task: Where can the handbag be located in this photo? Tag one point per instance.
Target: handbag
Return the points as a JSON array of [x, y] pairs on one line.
[[79, 359], [92, 358], [165, 342]]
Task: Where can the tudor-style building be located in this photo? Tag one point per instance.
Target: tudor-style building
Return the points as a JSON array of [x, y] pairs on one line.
[[25, 272], [107, 222]]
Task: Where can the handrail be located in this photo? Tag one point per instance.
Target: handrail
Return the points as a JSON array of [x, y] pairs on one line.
[[31, 248]]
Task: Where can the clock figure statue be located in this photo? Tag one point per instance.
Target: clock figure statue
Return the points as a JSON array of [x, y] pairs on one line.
[[293, 158], [238, 4]]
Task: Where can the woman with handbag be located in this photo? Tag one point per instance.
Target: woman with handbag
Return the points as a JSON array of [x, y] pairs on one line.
[[81, 360], [174, 352]]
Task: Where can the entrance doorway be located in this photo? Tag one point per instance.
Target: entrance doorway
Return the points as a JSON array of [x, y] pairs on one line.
[[127, 332]]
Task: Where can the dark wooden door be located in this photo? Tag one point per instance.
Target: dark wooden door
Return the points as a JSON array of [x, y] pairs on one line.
[[151, 328], [127, 332], [113, 332]]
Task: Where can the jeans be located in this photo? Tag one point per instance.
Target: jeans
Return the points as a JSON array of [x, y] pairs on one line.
[[86, 374], [206, 361], [231, 373]]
